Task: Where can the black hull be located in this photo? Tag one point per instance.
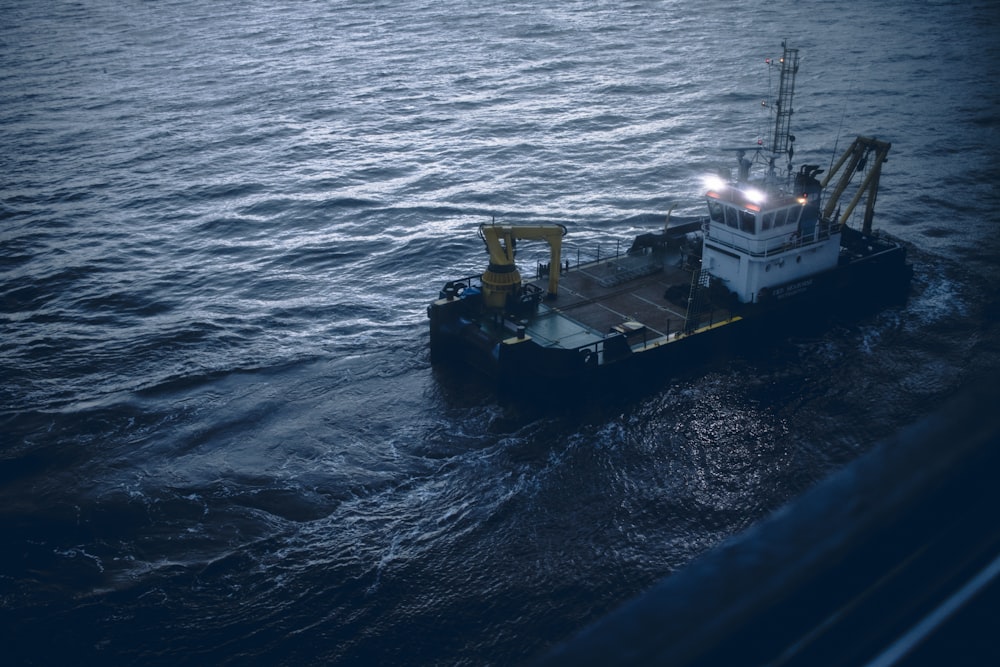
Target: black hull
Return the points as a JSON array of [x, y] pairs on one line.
[[869, 278]]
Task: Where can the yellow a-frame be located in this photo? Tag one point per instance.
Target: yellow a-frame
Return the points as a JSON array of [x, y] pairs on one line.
[[864, 153]]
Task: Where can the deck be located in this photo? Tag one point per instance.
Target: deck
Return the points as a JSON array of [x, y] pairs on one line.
[[597, 297]]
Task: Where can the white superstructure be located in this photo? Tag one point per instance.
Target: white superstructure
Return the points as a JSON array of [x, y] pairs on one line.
[[758, 239], [766, 233]]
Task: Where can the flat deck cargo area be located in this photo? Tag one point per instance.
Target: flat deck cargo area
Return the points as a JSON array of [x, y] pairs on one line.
[[642, 296]]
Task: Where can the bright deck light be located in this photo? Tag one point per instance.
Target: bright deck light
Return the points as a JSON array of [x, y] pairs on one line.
[[713, 182], [754, 195]]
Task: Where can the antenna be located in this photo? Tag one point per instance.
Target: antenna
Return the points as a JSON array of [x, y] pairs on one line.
[[782, 141]]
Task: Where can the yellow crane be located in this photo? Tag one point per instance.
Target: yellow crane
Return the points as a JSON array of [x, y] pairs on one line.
[[501, 278], [864, 155]]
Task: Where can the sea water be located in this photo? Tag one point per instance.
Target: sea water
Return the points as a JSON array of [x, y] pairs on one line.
[[221, 223]]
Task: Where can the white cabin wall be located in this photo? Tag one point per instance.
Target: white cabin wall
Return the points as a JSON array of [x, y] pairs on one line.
[[747, 275], [732, 271], [793, 265]]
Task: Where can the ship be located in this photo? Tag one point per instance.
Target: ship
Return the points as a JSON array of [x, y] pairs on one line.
[[773, 250]]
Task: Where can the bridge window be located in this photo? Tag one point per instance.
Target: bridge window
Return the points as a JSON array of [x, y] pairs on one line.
[[715, 211], [747, 221], [794, 214], [777, 219], [732, 217]]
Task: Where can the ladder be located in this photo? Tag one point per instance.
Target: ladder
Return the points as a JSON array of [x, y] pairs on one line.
[[696, 299]]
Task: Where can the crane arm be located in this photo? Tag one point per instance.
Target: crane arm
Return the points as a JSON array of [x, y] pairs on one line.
[[500, 242]]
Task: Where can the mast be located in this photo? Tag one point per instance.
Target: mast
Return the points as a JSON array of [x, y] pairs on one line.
[[781, 142]]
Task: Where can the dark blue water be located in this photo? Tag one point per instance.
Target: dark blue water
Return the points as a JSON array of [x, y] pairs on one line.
[[220, 224]]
